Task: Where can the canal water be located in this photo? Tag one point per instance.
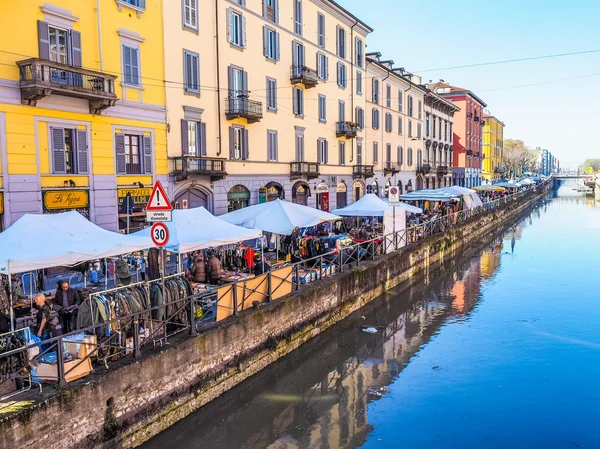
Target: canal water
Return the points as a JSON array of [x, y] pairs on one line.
[[497, 350]]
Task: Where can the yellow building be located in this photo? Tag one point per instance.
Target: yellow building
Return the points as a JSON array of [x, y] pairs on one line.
[[493, 148], [82, 106], [263, 102]]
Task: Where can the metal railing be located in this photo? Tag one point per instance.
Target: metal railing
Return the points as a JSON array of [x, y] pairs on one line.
[[304, 75], [309, 169], [362, 171], [201, 165], [240, 106], [348, 130], [221, 302]]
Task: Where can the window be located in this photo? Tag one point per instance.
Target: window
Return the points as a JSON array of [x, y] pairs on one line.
[[420, 106], [375, 152], [388, 123], [69, 151], [132, 154], [322, 108], [298, 17], [271, 10], [388, 96], [375, 91], [440, 128], [359, 159], [434, 125], [131, 65], [321, 29], [410, 156], [358, 82], [341, 111], [427, 118], [193, 138], [410, 105], [236, 28], [190, 14], [58, 45], [322, 151], [298, 98], [400, 155], [299, 144], [342, 152], [418, 130], [375, 119], [410, 128], [388, 154], [445, 131], [340, 44], [359, 52], [272, 145], [136, 3], [342, 80], [399, 100], [322, 66], [360, 118], [238, 143], [271, 94], [191, 72], [270, 43]]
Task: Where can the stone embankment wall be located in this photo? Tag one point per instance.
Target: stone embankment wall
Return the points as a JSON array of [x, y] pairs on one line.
[[129, 404]]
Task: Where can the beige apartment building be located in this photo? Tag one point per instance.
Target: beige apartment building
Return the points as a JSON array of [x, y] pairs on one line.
[[394, 135], [264, 101]]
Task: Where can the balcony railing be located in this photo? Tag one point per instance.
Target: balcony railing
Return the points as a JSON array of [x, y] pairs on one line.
[[185, 166], [304, 75], [442, 170], [362, 171], [424, 169], [390, 168], [300, 169], [39, 78], [348, 130], [240, 106]]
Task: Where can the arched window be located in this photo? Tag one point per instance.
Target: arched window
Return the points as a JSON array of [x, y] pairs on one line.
[[238, 197], [274, 191], [300, 193], [341, 195], [400, 187]]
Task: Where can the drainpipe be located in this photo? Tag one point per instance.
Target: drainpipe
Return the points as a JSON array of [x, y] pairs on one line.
[[100, 36], [219, 138], [352, 66]]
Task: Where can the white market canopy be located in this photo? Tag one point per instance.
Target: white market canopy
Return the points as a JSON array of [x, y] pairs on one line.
[[196, 229], [371, 205], [37, 241], [278, 217], [428, 195], [508, 185]]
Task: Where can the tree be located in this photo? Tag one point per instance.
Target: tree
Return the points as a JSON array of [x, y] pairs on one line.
[[518, 158], [593, 163]]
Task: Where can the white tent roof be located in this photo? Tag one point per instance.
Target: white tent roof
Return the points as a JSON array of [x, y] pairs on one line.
[[457, 190], [195, 229], [37, 241], [371, 205], [279, 217]]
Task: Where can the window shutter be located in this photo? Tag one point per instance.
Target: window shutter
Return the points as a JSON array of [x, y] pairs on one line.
[[82, 152], [44, 40], [295, 101], [147, 154], [264, 8], [243, 31], [276, 144], [245, 145], [245, 81], [202, 139], [277, 41], [230, 80], [185, 141], [326, 152], [276, 11], [265, 41], [59, 165], [337, 41], [229, 25], [120, 154], [319, 65], [143, 4], [76, 47], [231, 143]]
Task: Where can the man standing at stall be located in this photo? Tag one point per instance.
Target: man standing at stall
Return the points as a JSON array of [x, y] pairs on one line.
[[213, 268], [67, 298]]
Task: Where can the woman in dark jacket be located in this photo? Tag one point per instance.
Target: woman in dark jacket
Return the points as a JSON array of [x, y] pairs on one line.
[[198, 269]]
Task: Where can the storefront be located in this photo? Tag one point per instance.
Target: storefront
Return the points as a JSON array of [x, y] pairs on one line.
[[132, 203], [359, 190], [191, 198], [300, 193], [322, 191], [274, 191], [341, 195], [400, 187], [238, 197], [64, 200]]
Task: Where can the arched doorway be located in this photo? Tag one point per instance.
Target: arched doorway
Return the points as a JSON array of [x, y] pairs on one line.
[[341, 195], [419, 182], [400, 187], [409, 186], [192, 197], [274, 191], [300, 193], [386, 189], [375, 187], [359, 190], [322, 191], [238, 197]]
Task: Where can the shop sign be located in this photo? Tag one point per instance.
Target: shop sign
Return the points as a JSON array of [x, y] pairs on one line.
[[138, 196], [322, 188], [55, 200], [262, 195]]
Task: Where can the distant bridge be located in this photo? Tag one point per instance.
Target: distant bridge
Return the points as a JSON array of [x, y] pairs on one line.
[[573, 176]]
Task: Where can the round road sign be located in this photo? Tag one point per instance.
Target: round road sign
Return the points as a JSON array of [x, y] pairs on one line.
[[394, 190], [159, 234]]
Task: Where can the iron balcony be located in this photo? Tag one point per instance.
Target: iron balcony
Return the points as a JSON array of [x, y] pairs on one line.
[[240, 106], [300, 169], [348, 130], [184, 166], [424, 169], [304, 75], [362, 171], [391, 168]]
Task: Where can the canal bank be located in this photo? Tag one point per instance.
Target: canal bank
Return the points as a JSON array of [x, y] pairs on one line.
[[127, 406]]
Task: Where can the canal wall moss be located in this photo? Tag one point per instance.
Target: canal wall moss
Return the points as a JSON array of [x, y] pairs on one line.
[[131, 403]]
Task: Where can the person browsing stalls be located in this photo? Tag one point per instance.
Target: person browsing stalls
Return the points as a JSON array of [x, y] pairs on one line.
[[67, 298]]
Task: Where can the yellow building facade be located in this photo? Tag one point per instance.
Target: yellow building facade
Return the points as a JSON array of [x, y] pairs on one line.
[[82, 107], [493, 148]]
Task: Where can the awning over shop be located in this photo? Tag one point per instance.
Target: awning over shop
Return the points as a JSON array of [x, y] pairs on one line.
[[37, 241], [371, 205], [195, 229], [506, 185], [489, 188], [279, 217]]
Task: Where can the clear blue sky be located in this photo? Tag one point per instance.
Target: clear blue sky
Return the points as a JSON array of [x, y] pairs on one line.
[[561, 116]]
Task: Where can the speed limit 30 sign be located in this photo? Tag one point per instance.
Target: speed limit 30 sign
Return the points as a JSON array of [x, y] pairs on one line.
[[160, 234]]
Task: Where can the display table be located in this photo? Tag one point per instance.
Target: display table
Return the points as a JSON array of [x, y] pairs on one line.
[[232, 277]]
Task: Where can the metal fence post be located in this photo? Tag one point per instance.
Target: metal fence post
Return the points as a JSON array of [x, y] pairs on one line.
[[136, 336], [60, 363], [193, 330], [321, 267], [235, 299], [270, 287]]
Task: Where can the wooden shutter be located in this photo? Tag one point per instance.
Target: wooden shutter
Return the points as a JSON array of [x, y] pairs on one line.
[[229, 25], [147, 154], [76, 48], [265, 41], [82, 152], [59, 165], [120, 154], [245, 81], [231, 143], [276, 143], [185, 141], [326, 152], [202, 139], [276, 11], [319, 65], [295, 107], [243, 31], [326, 67], [265, 9], [230, 80], [44, 40], [277, 42], [245, 145], [142, 4]]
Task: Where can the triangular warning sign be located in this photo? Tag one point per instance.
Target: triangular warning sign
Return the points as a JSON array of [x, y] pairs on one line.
[[158, 199]]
